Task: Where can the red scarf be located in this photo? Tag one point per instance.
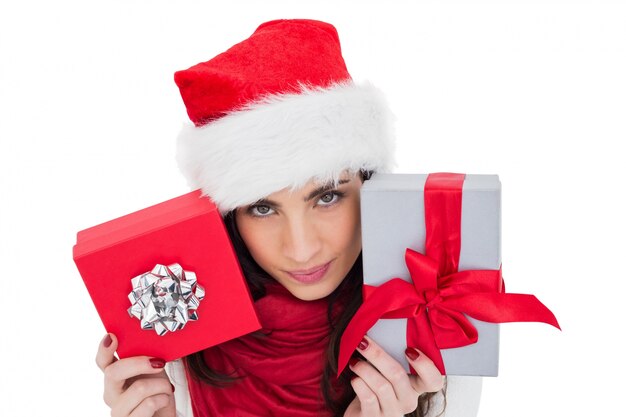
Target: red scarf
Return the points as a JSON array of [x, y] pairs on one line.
[[282, 370]]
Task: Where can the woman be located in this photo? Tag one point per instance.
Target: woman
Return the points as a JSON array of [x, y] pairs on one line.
[[282, 142]]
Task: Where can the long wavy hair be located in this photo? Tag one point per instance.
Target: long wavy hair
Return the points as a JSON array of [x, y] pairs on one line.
[[350, 289]]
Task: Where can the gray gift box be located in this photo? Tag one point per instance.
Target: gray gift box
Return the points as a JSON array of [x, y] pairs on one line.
[[392, 219]]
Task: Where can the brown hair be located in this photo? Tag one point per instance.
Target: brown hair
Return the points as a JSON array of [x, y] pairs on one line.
[[349, 289]]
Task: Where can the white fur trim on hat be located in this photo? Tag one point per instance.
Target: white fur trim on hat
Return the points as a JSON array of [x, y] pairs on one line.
[[286, 140]]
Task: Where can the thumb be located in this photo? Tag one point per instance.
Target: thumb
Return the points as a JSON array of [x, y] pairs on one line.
[[106, 351]]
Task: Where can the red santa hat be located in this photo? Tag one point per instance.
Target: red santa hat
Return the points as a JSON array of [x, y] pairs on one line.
[[277, 110]]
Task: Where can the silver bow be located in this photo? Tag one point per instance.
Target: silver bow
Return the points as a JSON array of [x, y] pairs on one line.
[[165, 298]]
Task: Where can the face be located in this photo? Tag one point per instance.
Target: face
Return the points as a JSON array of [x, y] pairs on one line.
[[288, 234]]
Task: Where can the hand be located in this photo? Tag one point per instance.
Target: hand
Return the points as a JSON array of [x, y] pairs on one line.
[[134, 387], [382, 386]]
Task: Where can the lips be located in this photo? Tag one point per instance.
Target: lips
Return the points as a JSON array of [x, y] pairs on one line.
[[310, 275], [308, 271]]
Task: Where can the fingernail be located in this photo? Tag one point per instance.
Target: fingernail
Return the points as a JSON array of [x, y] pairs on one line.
[[173, 387], [157, 363], [353, 361], [363, 344], [412, 353], [106, 342]]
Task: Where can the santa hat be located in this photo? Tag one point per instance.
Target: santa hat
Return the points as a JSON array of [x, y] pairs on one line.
[[276, 111]]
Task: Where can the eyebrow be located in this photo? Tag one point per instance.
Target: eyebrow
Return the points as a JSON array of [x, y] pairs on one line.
[[312, 194]]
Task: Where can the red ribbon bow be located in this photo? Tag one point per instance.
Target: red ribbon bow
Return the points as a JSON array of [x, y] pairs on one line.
[[437, 301]]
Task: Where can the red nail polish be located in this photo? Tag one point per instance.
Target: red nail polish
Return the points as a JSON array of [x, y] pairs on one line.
[[106, 342], [412, 353], [157, 363], [363, 344], [353, 361]]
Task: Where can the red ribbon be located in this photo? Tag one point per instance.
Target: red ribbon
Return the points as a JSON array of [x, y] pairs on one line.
[[440, 296]]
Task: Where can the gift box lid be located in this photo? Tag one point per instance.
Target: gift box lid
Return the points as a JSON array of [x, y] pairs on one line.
[[142, 221], [187, 230]]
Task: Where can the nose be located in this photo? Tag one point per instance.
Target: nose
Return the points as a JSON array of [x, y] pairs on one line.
[[301, 241]]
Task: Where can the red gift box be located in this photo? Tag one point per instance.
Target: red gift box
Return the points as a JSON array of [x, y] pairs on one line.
[[187, 230]]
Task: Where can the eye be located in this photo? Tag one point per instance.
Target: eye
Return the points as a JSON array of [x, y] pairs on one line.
[[262, 209], [329, 198]]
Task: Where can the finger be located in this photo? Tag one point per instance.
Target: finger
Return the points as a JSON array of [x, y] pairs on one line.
[[151, 405], [354, 408], [116, 374], [380, 386], [392, 371], [428, 378], [138, 392], [106, 351], [367, 398]]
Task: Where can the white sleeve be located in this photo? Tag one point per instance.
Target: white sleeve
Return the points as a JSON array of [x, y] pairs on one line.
[[176, 372]]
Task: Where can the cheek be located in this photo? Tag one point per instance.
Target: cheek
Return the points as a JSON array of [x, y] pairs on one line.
[[258, 240], [347, 230]]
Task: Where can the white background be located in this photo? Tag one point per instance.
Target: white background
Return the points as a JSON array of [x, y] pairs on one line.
[[532, 91]]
